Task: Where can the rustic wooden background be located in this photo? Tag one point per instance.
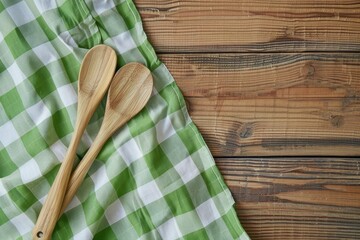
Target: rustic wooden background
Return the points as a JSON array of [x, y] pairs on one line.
[[274, 87]]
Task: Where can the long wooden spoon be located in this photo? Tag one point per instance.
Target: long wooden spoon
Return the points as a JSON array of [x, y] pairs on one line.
[[129, 91], [95, 75]]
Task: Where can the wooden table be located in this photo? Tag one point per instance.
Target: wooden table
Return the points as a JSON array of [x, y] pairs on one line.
[[274, 87]]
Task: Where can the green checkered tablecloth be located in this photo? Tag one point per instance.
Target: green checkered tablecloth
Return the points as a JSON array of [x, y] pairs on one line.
[[155, 178]]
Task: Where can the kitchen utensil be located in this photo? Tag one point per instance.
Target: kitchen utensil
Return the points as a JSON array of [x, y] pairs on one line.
[[96, 72]]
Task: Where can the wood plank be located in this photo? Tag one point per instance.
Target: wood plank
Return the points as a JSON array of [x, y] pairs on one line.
[[273, 104], [251, 25], [295, 198]]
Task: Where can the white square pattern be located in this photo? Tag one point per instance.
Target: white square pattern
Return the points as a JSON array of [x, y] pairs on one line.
[[17, 75], [20, 13], [84, 234], [38, 112], [100, 178], [29, 171], [149, 192], [187, 169], [2, 189], [74, 203], [59, 149], [66, 38], [42, 200], [67, 94], [207, 212], [169, 230], [46, 53], [8, 134], [45, 5], [86, 139], [124, 42], [22, 223], [130, 151], [115, 212], [102, 6], [164, 129]]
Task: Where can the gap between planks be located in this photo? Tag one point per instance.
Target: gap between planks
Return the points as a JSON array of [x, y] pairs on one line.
[[272, 104], [297, 197]]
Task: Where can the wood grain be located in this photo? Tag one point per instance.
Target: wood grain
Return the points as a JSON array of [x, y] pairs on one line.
[[273, 78], [251, 26], [295, 198], [96, 72], [130, 90], [273, 104]]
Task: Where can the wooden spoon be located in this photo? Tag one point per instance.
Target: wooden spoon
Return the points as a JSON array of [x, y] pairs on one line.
[[96, 72], [129, 91]]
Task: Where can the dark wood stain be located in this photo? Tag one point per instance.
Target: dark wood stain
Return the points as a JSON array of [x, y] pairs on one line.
[[286, 142], [350, 98], [337, 120], [246, 130], [259, 61], [276, 45]]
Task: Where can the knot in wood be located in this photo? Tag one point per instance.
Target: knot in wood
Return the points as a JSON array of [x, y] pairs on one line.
[[308, 71], [337, 120], [246, 130]]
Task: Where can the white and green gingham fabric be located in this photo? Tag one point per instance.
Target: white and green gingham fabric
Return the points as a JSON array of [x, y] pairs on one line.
[[155, 179]]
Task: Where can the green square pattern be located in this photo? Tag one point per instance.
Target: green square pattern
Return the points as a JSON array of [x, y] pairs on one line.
[[88, 206], [126, 11], [1, 7], [12, 103], [106, 233], [144, 117], [3, 217], [17, 43], [2, 67], [141, 221], [6, 165], [157, 161], [199, 234], [124, 177], [22, 197], [47, 30], [34, 142], [154, 179], [179, 201], [62, 123], [42, 82]]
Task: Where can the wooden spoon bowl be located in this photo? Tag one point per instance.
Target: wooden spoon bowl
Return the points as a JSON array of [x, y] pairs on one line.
[[129, 92]]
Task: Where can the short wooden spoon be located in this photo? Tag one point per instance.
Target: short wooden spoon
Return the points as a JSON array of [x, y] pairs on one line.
[[129, 91], [95, 75]]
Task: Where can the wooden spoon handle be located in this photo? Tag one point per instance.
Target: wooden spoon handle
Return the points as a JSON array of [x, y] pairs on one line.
[[52, 206], [83, 167], [96, 72]]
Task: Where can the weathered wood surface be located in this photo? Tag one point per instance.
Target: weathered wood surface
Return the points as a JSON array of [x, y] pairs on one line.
[[273, 104], [265, 79], [295, 198], [252, 25]]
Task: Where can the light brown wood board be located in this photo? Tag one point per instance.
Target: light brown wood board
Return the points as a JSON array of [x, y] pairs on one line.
[[274, 88]]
